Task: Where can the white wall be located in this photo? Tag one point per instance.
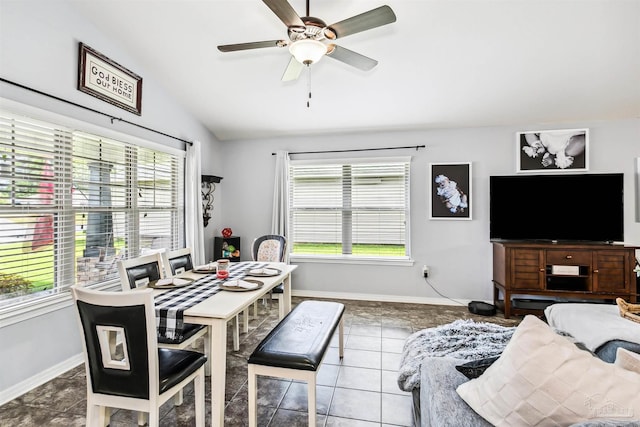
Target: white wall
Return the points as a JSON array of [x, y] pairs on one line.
[[39, 49], [458, 252]]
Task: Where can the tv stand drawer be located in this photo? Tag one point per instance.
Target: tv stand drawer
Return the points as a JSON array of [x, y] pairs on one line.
[[568, 257]]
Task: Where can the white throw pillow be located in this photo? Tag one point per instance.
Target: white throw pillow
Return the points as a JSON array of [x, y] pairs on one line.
[[543, 379]]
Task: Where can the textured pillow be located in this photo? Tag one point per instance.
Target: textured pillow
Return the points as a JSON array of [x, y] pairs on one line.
[[542, 379], [475, 368], [628, 360]]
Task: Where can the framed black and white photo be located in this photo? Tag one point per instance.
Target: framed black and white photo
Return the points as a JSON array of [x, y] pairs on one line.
[[565, 150], [450, 190], [109, 81]]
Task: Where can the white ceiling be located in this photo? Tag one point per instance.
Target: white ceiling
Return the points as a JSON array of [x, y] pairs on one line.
[[443, 64]]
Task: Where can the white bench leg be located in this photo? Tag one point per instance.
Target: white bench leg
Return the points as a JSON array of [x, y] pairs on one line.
[[311, 399], [252, 390]]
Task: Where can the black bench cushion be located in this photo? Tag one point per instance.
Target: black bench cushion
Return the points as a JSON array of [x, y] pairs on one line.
[[300, 340]]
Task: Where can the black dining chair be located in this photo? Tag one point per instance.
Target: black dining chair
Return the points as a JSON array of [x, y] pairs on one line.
[[124, 366]]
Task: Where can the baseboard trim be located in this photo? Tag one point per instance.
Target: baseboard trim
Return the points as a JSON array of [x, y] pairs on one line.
[[378, 298], [40, 378]]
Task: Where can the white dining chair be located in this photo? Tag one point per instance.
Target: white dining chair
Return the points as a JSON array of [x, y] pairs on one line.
[[125, 368]]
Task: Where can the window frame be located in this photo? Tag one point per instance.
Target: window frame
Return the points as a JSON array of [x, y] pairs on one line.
[[405, 260], [30, 306]]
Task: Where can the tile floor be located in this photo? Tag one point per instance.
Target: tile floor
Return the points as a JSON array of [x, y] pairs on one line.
[[360, 390]]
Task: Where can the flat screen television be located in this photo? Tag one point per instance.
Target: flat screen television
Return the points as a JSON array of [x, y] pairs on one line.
[[581, 207]]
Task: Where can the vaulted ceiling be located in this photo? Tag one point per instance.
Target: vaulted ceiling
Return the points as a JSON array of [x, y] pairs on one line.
[[442, 64]]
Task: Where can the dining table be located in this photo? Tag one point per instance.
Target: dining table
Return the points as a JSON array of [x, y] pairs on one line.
[[207, 301]]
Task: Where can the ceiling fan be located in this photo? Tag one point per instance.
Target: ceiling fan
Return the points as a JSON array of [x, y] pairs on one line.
[[310, 38]]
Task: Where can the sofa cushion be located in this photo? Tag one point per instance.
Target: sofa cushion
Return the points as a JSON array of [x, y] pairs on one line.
[[542, 378], [593, 324], [440, 405]]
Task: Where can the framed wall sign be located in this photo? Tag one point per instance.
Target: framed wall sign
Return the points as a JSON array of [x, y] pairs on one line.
[[103, 78], [450, 190], [554, 151]]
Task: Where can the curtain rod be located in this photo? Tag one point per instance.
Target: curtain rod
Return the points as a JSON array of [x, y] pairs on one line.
[[94, 111], [417, 147]]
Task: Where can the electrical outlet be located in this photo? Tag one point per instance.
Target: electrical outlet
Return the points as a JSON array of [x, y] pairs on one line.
[[425, 271]]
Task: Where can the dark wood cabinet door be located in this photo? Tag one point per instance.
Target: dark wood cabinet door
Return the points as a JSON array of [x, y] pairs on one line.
[[526, 269], [611, 271]]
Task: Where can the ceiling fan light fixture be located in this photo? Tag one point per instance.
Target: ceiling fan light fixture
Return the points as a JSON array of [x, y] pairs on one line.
[[307, 51]]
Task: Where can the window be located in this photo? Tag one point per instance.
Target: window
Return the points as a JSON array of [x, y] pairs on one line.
[[355, 208], [73, 203]]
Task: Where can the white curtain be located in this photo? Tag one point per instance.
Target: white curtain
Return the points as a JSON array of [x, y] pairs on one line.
[[280, 214], [194, 228]]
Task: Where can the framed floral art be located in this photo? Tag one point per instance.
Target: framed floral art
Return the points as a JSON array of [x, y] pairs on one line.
[[450, 190]]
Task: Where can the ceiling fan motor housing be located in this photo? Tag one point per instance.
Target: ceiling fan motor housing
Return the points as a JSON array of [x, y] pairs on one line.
[[314, 28]]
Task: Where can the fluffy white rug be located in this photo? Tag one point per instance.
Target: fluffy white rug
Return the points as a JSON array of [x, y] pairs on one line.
[[461, 339]]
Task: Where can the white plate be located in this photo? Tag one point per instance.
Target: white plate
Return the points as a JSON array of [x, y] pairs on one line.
[[205, 269], [241, 289], [263, 272], [175, 283]]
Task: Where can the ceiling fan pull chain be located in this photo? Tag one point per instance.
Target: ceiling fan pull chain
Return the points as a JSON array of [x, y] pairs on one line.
[[309, 85]]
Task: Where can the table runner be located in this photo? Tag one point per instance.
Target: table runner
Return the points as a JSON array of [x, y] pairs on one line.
[[170, 305]]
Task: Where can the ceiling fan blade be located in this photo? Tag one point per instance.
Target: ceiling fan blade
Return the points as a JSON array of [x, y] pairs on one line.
[[293, 70], [285, 12], [251, 45], [350, 57], [377, 17]]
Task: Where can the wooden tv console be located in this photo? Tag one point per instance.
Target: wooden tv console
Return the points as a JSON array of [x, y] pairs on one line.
[[561, 270]]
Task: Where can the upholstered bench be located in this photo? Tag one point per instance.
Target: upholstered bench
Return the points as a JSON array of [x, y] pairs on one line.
[[295, 348]]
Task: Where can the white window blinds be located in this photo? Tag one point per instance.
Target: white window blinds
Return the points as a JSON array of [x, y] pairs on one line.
[[356, 207], [73, 203]]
